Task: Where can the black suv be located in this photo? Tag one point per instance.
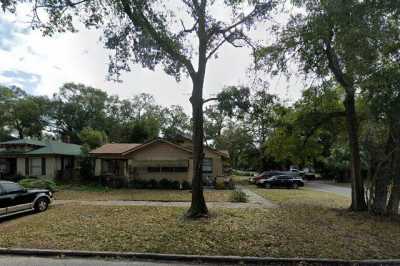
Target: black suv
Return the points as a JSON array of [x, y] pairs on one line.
[[15, 199]]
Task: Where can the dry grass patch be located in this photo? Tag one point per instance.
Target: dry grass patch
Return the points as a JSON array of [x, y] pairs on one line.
[[303, 196], [141, 194], [290, 231]]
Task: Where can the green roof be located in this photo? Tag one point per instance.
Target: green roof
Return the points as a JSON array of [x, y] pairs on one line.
[[58, 148], [24, 141], [44, 148]]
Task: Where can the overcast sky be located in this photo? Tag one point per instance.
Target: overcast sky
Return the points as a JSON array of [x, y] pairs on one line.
[[40, 65]]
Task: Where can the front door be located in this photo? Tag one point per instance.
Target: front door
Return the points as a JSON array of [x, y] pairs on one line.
[[207, 169]]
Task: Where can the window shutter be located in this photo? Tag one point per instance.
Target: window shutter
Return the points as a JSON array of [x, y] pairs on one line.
[[43, 166], [27, 166]]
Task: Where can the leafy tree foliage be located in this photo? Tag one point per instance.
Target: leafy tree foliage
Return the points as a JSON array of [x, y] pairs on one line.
[[153, 33], [174, 122], [23, 113], [92, 138], [345, 40]]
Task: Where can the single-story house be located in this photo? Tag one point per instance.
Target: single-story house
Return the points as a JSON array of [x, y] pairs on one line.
[[157, 159], [29, 157]]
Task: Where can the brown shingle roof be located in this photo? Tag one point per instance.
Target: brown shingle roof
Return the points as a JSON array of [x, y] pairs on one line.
[[115, 148]]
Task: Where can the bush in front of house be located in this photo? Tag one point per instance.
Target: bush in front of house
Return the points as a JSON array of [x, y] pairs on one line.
[[114, 181], [165, 183], [239, 195], [153, 184], [186, 185], [40, 183], [224, 182], [137, 183], [175, 185]]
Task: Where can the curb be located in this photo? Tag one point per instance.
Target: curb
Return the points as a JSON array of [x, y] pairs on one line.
[[189, 258]]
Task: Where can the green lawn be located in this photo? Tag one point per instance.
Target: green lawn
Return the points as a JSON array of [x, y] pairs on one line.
[[307, 224], [140, 194]]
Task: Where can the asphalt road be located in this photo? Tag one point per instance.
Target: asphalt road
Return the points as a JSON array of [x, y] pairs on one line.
[[329, 187], [35, 261]]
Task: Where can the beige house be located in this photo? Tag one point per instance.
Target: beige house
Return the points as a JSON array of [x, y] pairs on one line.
[[28, 157], [157, 159]]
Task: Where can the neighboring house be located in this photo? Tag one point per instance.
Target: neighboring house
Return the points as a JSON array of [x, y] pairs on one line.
[[157, 159], [36, 158]]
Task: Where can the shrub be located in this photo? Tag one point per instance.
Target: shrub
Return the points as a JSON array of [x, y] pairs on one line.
[[224, 183], [175, 185], [165, 183], [239, 196], [153, 184], [114, 181], [186, 185], [41, 183], [138, 184]]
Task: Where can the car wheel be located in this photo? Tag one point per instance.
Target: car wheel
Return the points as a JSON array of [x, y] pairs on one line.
[[267, 185], [41, 205], [295, 186]]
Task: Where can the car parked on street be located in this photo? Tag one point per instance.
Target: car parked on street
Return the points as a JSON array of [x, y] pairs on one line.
[[268, 174], [15, 199], [288, 181]]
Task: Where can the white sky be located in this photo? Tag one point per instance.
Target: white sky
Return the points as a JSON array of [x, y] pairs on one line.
[[40, 65]]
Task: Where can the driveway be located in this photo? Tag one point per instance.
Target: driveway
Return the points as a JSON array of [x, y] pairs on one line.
[[329, 187]]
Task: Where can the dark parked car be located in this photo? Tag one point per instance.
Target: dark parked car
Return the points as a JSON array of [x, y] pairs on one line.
[[268, 174], [15, 199], [289, 181]]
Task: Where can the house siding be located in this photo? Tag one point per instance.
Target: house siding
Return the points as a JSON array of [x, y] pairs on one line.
[[160, 154]]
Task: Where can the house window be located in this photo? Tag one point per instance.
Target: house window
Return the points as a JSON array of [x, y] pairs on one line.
[[36, 166], [153, 169], [167, 169], [43, 166], [180, 169]]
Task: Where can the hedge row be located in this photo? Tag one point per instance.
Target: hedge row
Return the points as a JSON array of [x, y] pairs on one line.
[[122, 182]]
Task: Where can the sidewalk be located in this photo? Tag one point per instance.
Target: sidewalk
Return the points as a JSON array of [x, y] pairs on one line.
[[255, 202]]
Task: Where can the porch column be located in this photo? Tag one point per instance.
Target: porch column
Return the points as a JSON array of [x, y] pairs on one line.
[[21, 166], [97, 168]]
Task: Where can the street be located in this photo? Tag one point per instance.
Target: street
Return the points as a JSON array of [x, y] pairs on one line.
[[325, 187], [36, 261]]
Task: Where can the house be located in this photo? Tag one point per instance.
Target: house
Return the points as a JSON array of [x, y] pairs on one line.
[[28, 157], [157, 159]]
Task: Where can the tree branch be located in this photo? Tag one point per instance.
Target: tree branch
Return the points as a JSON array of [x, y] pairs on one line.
[[138, 19], [210, 99], [334, 65]]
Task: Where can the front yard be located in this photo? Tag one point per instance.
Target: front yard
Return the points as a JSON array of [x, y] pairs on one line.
[[307, 224], [141, 194]]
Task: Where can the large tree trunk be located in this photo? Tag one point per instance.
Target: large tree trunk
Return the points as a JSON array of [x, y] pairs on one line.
[[394, 200], [380, 195], [198, 207], [357, 193], [381, 178], [357, 187]]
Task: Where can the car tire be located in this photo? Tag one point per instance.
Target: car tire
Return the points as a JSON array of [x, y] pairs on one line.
[[295, 186], [267, 185], [41, 205]]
